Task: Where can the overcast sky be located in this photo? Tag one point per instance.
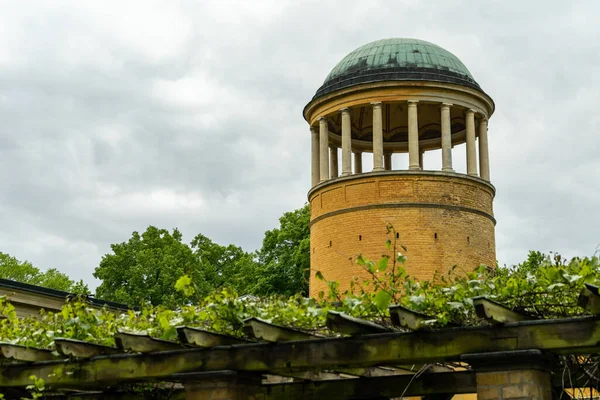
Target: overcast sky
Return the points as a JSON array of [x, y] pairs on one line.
[[118, 115]]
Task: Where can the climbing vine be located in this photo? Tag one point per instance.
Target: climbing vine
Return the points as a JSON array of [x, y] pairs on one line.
[[545, 286]]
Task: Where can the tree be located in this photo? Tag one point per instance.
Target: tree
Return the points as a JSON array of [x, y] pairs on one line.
[[25, 272], [146, 267], [224, 265], [284, 259]]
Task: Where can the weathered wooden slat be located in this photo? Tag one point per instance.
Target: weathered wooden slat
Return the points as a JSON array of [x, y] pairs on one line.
[[81, 349], [23, 353], [495, 312], [268, 332], [348, 325], [202, 338], [143, 343], [565, 336], [408, 319], [385, 387], [263, 330], [589, 299]]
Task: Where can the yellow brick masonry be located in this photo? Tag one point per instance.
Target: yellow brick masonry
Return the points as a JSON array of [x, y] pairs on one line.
[[432, 213], [520, 384]]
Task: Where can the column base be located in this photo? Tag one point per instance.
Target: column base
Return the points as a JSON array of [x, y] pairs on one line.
[[473, 174], [379, 169], [414, 168], [447, 169], [346, 173]]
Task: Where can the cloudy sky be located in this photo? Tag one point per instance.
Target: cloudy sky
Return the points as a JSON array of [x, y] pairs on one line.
[[118, 115]]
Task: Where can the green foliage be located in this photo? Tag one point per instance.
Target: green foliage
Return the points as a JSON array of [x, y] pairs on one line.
[[145, 269], [544, 286], [284, 259], [25, 272]]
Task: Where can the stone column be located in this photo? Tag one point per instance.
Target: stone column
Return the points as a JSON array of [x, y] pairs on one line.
[[333, 161], [421, 159], [377, 137], [346, 142], [484, 158], [323, 150], [446, 138], [413, 135], [314, 136], [518, 375], [387, 161], [358, 162], [471, 150]]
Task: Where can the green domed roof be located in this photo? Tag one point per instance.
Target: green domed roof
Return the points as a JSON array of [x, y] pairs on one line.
[[397, 59]]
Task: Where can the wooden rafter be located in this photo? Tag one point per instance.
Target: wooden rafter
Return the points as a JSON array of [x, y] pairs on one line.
[[348, 325], [495, 312], [565, 336], [81, 349]]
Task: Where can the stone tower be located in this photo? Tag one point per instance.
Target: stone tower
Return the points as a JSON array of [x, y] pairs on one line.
[[399, 96]]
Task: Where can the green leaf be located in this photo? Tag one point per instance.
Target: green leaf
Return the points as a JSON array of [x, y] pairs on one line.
[[382, 300], [383, 264], [319, 276]]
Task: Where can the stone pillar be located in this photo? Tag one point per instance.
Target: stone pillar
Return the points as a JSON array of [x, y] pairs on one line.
[[314, 136], [471, 150], [333, 161], [522, 375], [358, 162], [484, 158], [346, 142], [387, 161], [413, 135], [323, 150], [377, 137], [221, 385], [446, 138]]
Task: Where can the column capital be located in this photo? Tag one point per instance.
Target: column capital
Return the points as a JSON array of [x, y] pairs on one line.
[[314, 129], [376, 104], [344, 110], [412, 102], [446, 105], [483, 118], [470, 111], [323, 119]]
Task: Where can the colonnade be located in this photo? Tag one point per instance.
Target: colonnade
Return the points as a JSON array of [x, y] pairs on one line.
[[325, 157]]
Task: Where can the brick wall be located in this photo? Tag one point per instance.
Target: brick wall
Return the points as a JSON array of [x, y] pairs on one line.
[[519, 384], [442, 219]]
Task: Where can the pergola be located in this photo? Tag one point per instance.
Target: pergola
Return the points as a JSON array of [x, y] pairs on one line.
[[510, 356]]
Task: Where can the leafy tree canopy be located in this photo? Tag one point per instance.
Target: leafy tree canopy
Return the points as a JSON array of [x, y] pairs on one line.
[[146, 267], [23, 271], [284, 259]]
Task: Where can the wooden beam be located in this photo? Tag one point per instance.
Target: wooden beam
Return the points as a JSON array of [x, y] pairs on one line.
[[348, 325], [22, 353], [589, 299], [434, 384], [143, 343], [495, 312], [202, 338], [81, 349], [408, 319], [564, 336], [269, 332]]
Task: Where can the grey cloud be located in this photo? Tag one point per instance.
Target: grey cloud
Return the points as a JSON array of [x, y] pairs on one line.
[[188, 115]]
